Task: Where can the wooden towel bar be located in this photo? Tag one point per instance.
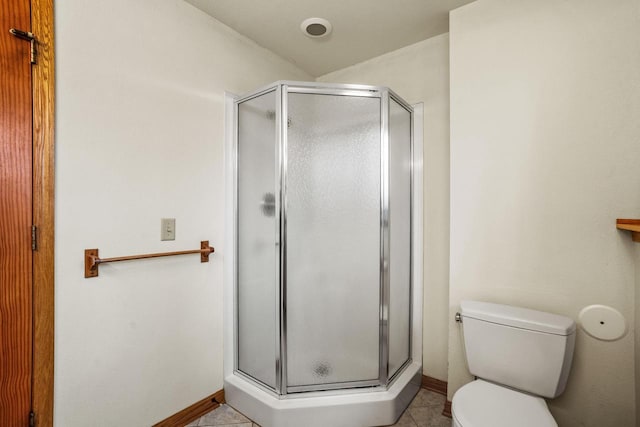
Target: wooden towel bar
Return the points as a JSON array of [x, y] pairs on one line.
[[92, 260]]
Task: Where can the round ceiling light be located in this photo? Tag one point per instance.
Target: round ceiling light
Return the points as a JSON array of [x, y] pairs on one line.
[[316, 27]]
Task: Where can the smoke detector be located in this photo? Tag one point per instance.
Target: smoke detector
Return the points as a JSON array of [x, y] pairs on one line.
[[316, 27]]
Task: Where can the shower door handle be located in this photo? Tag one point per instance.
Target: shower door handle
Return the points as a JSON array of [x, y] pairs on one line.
[[268, 204]]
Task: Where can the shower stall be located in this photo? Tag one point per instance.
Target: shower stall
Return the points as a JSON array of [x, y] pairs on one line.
[[322, 278]]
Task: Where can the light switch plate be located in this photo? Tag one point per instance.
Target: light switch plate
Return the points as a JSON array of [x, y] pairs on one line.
[[168, 229]]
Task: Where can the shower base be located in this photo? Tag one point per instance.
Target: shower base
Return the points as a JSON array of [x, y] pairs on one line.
[[345, 408]]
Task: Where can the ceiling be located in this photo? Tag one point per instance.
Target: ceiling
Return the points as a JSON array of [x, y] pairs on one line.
[[362, 29]]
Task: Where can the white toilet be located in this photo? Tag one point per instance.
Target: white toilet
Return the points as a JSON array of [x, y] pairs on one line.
[[518, 356]]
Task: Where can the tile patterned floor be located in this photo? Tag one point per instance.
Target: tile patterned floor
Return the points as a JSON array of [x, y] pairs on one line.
[[424, 411]]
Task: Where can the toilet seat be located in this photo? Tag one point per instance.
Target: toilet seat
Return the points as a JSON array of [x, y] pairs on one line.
[[484, 404]]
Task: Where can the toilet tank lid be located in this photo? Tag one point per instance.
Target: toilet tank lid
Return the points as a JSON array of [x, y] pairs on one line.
[[518, 317]]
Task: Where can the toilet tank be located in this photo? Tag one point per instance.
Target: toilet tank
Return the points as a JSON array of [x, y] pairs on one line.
[[524, 349]]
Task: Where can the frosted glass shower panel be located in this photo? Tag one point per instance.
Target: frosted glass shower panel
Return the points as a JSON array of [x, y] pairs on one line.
[[400, 235], [333, 239], [257, 252]]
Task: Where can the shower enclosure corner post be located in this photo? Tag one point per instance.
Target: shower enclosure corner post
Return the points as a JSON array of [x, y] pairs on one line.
[[229, 274], [234, 246], [384, 238], [412, 218], [281, 236], [417, 234]]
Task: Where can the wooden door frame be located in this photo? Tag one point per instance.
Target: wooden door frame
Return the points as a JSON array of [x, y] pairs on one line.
[[43, 87]]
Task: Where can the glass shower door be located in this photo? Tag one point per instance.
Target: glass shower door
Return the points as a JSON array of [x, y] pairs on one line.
[[257, 252], [399, 236], [332, 272]]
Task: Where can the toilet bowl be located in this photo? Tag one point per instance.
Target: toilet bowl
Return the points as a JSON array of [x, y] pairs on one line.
[[519, 356], [483, 404]]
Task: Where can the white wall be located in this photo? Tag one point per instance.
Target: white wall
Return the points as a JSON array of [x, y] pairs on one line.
[[140, 110], [544, 157], [420, 73]]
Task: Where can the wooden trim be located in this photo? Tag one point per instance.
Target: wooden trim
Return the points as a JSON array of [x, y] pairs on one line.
[[194, 411], [437, 386], [43, 81], [447, 409], [628, 221], [434, 384]]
